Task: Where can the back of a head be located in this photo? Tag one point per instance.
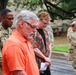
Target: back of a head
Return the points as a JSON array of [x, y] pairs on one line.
[[4, 12], [26, 15], [73, 23], [42, 15]]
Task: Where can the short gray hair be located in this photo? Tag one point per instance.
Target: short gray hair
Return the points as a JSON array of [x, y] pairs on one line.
[[26, 15]]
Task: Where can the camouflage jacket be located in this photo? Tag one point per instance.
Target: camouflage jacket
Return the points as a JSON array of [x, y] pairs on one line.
[[50, 34], [4, 34], [71, 36]]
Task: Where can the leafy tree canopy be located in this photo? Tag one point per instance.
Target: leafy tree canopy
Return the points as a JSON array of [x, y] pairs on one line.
[[58, 9]]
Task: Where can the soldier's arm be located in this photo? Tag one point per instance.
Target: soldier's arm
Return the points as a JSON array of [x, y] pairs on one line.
[[69, 36], [0, 43], [1, 35]]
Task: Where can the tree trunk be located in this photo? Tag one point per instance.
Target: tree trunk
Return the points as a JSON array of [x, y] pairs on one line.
[[3, 4]]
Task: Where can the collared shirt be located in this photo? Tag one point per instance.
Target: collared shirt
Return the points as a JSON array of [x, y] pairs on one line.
[[38, 42], [18, 54]]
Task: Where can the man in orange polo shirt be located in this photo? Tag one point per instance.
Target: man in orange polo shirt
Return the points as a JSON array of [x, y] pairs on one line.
[[17, 55]]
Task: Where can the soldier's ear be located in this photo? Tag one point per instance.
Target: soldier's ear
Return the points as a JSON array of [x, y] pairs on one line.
[[1, 18]]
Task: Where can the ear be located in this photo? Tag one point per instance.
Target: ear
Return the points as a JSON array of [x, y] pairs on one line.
[[21, 24], [1, 18]]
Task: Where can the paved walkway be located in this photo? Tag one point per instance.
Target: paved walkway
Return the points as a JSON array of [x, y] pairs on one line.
[[60, 66]]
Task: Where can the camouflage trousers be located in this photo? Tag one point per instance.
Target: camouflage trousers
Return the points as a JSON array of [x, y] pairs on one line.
[[74, 58], [70, 54]]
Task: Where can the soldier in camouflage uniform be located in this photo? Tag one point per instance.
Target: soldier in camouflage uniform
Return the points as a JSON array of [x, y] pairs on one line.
[[50, 34], [71, 35], [6, 22]]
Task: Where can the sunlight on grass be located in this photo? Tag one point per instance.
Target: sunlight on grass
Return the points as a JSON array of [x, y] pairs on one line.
[[61, 49]]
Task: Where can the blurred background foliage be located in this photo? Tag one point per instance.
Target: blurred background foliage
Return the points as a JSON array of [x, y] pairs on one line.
[[58, 9]]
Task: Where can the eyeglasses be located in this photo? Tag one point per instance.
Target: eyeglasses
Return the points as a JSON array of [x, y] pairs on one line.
[[31, 25]]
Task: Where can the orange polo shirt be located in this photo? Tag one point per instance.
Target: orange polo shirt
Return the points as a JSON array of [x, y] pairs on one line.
[[18, 54]]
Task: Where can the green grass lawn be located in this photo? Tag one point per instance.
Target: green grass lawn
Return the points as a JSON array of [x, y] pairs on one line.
[[61, 49]]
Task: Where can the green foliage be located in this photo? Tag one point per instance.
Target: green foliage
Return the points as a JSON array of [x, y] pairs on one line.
[[32, 4], [10, 3], [57, 11], [69, 5], [65, 6], [35, 2], [61, 48]]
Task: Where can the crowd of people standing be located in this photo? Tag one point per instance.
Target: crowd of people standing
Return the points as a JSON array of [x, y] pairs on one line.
[[17, 50], [24, 49]]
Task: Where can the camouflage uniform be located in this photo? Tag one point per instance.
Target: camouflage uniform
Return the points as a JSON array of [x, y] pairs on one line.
[[4, 34], [50, 34], [71, 35]]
